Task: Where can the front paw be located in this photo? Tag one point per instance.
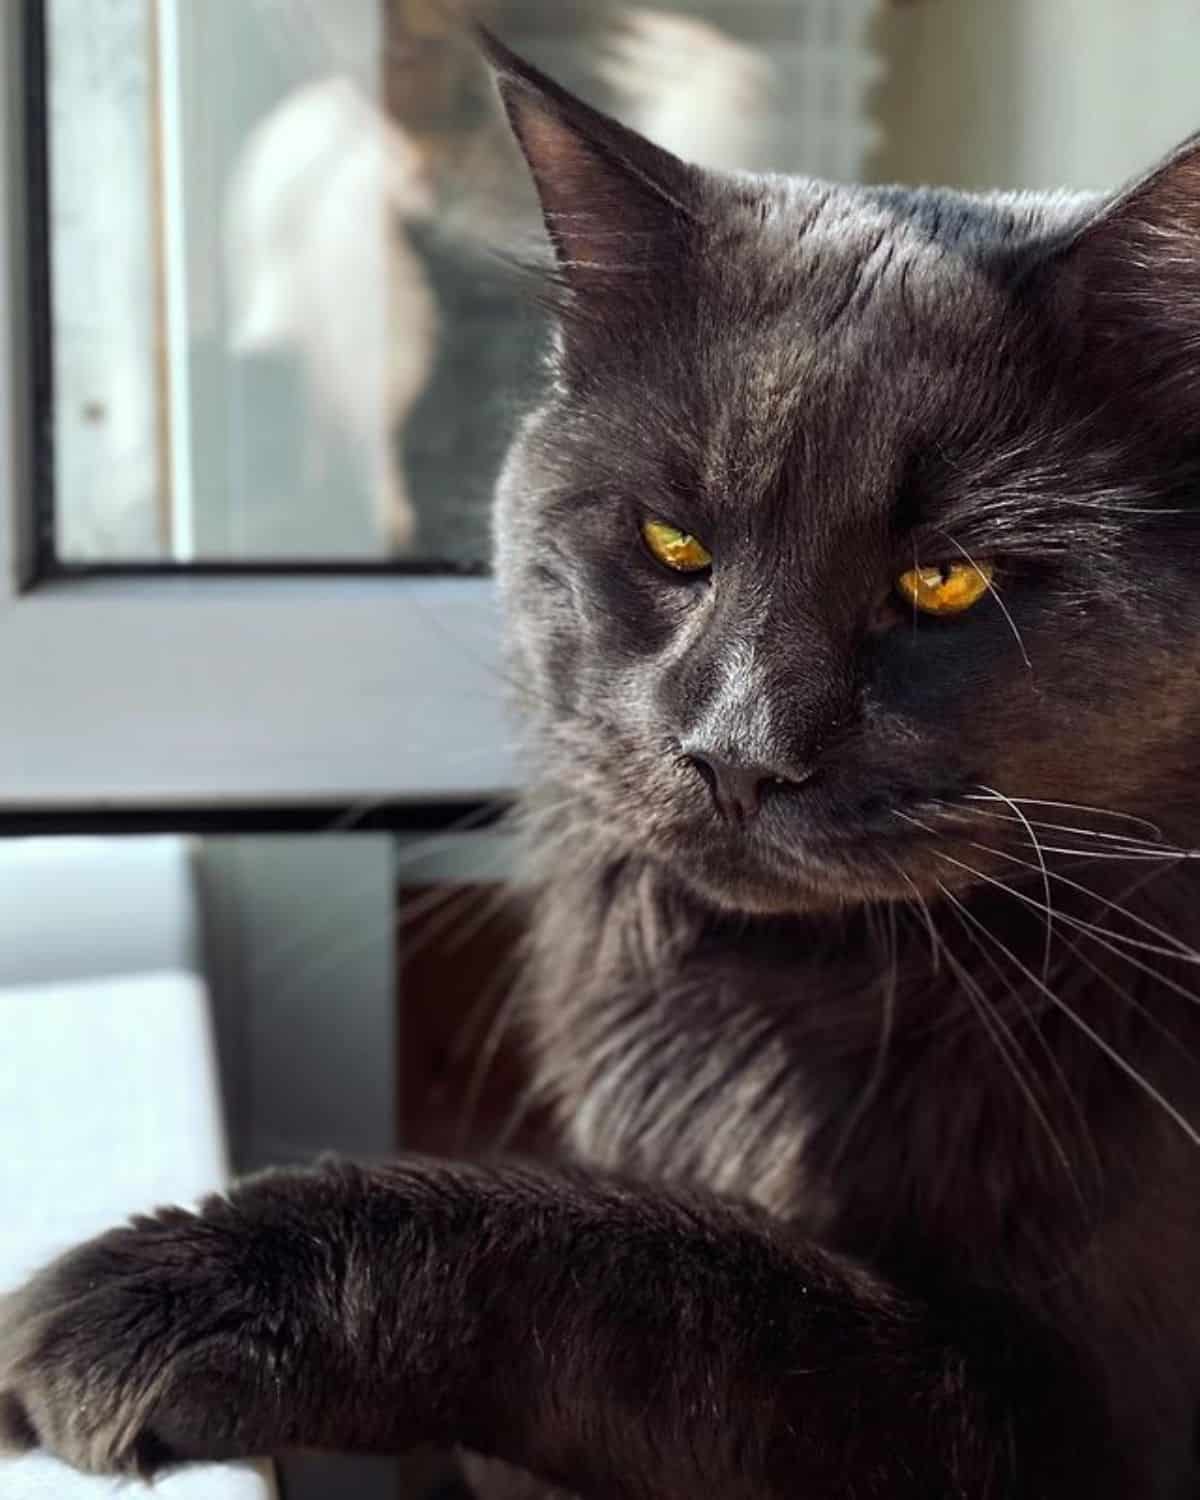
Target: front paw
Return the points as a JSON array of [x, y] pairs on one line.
[[173, 1338]]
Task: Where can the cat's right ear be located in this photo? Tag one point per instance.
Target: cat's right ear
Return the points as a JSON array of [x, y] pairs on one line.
[[1131, 273], [619, 210]]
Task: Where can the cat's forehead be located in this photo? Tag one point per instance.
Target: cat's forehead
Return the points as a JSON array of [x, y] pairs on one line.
[[821, 274], [846, 325], [844, 245]]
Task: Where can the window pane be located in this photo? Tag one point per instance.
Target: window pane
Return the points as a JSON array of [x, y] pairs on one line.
[[280, 330]]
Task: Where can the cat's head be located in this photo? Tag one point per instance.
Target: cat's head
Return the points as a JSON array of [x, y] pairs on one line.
[[850, 508]]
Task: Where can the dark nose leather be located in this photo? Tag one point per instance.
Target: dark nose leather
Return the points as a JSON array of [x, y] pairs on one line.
[[737, 789]]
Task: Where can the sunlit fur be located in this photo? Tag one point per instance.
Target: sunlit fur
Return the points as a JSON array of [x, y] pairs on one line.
[[936, 1002], [876, 1062]]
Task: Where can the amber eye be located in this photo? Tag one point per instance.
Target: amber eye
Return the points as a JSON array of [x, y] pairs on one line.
[[675, 549], [948, 589]]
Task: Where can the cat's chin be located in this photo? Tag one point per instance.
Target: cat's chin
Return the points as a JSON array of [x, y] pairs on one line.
[[749, 899], [819, 883], [759, 878]]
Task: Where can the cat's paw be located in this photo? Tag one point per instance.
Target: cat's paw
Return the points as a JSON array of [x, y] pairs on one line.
[[153, 1344]]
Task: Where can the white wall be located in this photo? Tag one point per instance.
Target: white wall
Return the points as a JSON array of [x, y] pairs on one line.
[[1108, 86], [1035, 93]]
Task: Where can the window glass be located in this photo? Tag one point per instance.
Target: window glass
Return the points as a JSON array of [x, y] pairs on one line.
[[280, 328]]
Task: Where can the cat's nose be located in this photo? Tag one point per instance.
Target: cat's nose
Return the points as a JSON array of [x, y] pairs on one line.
[[738, 789]]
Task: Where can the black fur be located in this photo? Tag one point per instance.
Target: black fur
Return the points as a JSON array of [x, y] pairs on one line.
[[891, 1182]]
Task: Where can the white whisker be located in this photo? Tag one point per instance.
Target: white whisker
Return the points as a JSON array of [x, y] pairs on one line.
[[1179, 949], [996, 1028], [1041, 859], [934, 941], [1136, 855], [1082, 833], [995, 593], [1128, 998], [1103, 812], [1077, 1020], [1097, 935]]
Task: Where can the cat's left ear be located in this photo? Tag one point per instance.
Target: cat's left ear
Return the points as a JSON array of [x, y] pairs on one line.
[[618, 209], [1132, 271]]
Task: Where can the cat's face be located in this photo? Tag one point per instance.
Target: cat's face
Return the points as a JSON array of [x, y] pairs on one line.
[[825, 388]]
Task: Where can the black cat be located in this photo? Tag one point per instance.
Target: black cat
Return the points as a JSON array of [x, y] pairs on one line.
[[852, 571]]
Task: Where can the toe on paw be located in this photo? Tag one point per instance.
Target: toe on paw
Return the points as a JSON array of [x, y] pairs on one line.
[[17, 1432]]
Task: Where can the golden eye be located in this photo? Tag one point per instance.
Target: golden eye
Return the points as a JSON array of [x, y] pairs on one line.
[[676, 549], [946, 590]]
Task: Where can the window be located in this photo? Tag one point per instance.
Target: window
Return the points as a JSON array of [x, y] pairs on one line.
[[261, 362], [166, 688], [279, 328]]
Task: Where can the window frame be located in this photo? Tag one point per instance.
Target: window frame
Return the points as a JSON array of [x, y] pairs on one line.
[[140, 690]]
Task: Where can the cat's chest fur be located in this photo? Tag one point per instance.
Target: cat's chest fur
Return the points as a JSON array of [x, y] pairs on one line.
[[918, 1117]]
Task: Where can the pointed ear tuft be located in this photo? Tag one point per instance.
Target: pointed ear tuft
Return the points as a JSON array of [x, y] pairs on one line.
[[617, 208], [1133, 270], [502, 60]]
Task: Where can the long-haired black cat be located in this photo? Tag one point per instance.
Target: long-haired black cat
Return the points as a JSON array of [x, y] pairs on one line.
[[852, 572]]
